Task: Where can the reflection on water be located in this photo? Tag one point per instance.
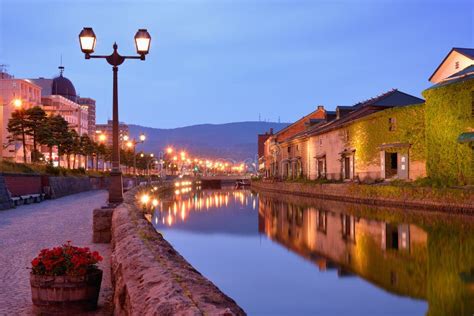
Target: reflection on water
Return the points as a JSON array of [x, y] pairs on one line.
[[384, 260]]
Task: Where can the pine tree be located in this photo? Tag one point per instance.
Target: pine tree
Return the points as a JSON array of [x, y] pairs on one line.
[[35, 118], [17, 128]]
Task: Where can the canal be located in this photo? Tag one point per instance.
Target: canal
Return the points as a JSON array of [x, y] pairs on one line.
[[285, 255]]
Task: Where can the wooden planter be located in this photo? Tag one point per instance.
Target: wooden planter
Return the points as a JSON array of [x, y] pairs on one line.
[[66, 293]]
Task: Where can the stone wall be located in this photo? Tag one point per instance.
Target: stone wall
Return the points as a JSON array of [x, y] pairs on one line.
[[5, 201], [458, 201], [151, 278], [62, 186]]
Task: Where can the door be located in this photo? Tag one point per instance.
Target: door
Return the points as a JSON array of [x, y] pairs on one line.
[[320, 168], [402, 170], [347, 167]]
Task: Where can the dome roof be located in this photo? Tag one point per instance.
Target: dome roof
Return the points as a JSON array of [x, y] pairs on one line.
[[63, 86]]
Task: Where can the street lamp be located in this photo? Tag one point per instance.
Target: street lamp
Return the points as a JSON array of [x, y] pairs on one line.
[[87, 41], [132, 143]]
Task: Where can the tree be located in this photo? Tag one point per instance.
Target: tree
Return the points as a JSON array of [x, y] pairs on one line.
[[67, 146], [17, 128], [35, 119], [55, 132], [76, 147], [101, 152], [87, 147]]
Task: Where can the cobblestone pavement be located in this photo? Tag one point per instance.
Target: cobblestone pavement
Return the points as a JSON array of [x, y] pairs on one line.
[[26, 230]]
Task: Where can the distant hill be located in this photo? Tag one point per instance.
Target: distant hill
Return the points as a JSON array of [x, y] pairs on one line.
[[237, 141]]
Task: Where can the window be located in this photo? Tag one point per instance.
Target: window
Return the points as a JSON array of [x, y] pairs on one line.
[[456, 65], [392, 124], [289, 149], [320, 141], [346, 135], [297, 148]]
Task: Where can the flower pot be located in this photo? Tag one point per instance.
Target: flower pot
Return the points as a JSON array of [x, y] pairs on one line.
[[66, 293]]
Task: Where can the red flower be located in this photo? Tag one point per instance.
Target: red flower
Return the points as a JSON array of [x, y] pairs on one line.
[[65, 260]]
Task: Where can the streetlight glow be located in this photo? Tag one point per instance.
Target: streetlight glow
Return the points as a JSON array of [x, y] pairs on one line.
[[87, 40], [142, 137], [17, 103], [142, 41], [125, 137]]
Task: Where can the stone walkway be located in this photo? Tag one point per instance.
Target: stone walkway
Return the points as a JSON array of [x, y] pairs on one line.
[[26, 230]]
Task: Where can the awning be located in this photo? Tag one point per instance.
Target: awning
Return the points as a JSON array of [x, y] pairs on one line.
[[394, 145], [466, 137], [347, 152]]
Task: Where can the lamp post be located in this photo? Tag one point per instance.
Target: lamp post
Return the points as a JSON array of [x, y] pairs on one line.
[[87, 40], [132, 144]]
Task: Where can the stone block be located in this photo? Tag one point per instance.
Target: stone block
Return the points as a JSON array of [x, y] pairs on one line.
[[101, 225]]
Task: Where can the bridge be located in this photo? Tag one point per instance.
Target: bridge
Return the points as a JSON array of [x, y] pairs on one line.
[[219, 180]]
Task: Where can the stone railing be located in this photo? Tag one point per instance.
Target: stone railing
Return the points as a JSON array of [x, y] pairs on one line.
[[151, 278], [459, 201]]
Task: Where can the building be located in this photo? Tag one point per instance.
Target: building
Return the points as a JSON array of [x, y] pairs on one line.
[[262, 138], [391, 136], [362, 144], [449, 120], [12, 89], [456, 60], [106, 129], [338, 145], [59, 98], [284, 150], [89, 105]]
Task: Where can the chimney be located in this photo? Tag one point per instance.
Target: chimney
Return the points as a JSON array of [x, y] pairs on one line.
[[321, 107]]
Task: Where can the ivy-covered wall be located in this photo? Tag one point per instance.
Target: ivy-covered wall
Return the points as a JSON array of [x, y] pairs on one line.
[[366, 135], [448, 113]]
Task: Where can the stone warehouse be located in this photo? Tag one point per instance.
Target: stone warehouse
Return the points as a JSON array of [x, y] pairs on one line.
[[392, 136]]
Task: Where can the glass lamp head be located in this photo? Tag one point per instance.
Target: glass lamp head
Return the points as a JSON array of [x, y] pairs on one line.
[[87, 40]]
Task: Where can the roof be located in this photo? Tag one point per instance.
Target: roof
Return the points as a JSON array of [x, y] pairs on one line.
[[465, 74], [466, 137], [468, 52], [390, 99], [63, 86]]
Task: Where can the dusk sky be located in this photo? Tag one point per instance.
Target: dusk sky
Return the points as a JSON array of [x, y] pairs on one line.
[[218, 61]]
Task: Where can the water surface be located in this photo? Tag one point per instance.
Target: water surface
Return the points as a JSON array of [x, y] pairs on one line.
[[286, 255]]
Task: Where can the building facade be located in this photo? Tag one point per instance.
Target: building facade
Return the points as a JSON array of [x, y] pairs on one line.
[[12, 91], [89, 105], [106, 129], [392, 136]]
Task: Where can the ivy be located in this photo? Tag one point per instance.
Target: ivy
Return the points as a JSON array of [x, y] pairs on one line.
[[448, 114], [367, 134]]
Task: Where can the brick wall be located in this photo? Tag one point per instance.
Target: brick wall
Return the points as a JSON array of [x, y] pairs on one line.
[[22, 184]]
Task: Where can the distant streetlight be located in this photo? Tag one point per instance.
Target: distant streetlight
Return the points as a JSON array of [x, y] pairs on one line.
[[132, 144], [18, 103], [87, 41], [102, 138]]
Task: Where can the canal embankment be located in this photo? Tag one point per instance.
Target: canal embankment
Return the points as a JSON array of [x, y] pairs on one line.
[[450, 200], [151, 278]]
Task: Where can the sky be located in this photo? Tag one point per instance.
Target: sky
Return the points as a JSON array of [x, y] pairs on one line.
[[219, 61]]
